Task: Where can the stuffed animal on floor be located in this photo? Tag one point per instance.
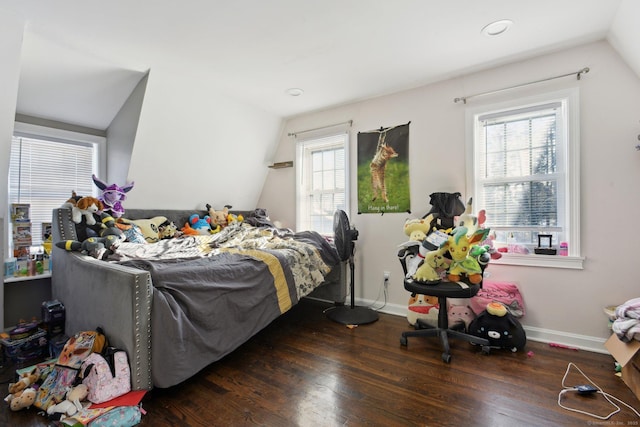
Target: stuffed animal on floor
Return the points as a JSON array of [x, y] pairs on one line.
[[22, 399], [112, 196], [500, 327], [26, 380], [459, 314], [71, 404], [423, 307]]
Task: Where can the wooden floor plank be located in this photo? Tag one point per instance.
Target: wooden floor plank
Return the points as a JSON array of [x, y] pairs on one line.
[[305, 370]]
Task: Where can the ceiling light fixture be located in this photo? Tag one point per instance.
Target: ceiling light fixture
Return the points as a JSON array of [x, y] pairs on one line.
[[294, 91], [497, 27]]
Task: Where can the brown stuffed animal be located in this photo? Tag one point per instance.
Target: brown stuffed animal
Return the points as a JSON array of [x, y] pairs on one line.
[[86, 206], [218, 217], [22, 399], [26, 380]]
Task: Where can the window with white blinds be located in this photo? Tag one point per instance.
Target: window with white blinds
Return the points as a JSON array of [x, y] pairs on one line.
[[525, 171], [44, 172], [322, 182]]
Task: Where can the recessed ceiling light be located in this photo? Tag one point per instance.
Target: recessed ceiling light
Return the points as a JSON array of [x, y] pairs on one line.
[[294, 91], [497, 27]]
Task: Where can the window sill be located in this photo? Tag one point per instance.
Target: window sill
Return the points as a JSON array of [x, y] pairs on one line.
[[27, 278], [533, 260]]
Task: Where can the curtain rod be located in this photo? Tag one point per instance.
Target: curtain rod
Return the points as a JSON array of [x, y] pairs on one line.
[[294, 134], [577, 74]]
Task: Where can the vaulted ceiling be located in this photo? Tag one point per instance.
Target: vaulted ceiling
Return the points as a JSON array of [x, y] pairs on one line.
[[81, 59]]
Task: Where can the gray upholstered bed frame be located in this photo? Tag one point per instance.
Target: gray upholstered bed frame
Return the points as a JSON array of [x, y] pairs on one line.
[[119, 299]]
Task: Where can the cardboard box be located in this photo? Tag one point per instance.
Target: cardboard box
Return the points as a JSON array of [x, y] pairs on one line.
[[628, 356]]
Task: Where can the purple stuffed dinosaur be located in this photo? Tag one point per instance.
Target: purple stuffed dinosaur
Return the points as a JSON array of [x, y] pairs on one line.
[[112, 196]]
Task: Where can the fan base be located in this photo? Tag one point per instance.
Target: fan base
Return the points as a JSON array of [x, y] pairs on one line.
[[348, 315]]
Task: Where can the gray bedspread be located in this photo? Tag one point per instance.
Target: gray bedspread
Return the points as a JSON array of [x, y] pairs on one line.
[[223, 290]]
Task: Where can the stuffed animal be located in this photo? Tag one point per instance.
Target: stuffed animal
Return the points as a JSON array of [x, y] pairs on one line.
[[500, 327], [459, 245], [97, 247], [218, 217], [84, 206], [22, 399], [168, 230], [71, 404], [201, 225], [112, 196], [423, 307], [418, 228], [459, 314], [26, 380], [434, 263], [231, 218]]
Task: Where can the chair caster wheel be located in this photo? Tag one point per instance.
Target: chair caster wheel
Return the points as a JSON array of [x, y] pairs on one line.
[[446, 357], [403, 341], [486, 349]]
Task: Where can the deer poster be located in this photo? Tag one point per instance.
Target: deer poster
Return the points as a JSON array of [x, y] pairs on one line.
[[383, 170]]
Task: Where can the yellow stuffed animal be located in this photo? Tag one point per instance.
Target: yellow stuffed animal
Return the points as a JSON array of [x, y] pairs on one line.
[[418, 228]]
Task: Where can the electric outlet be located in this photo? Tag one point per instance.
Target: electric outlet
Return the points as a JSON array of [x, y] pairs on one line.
[[386, 275]]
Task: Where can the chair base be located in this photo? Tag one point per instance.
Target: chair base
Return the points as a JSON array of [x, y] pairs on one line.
[[426, 330]]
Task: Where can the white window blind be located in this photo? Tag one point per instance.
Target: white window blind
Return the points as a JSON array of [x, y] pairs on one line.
[[526, 170], [322, 182], [519, 173], [44, 172]]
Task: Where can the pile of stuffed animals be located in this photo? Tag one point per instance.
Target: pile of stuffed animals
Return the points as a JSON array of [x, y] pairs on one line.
[[434, 253], [460, 251], [101, 227], [22, 395], [212, 223]]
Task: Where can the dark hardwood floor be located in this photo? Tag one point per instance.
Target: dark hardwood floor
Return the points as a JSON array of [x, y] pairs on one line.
[[305, 370]]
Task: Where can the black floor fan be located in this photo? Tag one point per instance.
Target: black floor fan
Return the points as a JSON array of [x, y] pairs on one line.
[[344, 237]]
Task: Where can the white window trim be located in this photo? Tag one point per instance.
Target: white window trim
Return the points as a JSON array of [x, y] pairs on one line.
[[300, 169], [572, 204], [28, 130]]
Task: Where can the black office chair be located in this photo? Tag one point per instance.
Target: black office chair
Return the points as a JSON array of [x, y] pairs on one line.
[[441, 290]]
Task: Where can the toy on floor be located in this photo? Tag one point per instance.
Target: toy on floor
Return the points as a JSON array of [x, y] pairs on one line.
[[112, 196], [26, 380], [500, 327], [71, 404], [22, 399]]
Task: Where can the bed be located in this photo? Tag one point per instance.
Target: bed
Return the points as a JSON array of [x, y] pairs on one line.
[[178, 305]]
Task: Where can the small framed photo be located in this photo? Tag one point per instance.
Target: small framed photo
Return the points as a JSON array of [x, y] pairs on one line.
[[46, 231], [20, 212], [544, 240]]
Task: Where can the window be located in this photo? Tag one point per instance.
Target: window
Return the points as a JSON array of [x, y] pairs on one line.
[[321, 182], [525, 163], [46, 165]]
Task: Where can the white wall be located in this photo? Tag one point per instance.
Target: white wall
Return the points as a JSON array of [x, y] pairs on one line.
[[10, 46], [121, 135], [197, 145], [562, 305]]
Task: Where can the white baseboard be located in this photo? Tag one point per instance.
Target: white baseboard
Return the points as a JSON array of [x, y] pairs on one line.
[[560, 338]]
